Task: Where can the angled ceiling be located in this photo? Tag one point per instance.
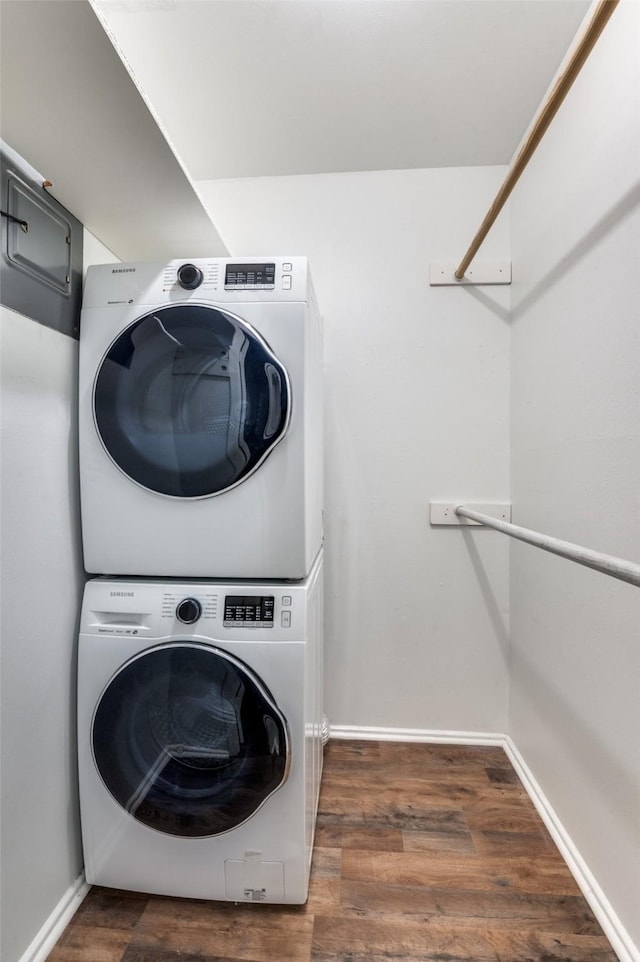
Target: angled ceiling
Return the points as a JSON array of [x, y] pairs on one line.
[[250, 88], [69, 107]]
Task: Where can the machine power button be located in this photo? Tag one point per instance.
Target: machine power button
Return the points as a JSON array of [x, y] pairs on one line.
[[188, 611]]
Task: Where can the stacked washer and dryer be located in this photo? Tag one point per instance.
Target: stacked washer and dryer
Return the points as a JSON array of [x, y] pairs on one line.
[[200, 652]]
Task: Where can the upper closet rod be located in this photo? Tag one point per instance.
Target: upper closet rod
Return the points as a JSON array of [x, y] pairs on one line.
[[608, 564], [547, 112]]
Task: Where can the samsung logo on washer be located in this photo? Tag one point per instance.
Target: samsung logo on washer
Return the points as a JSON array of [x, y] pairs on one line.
[[122, 594], [123, 270]]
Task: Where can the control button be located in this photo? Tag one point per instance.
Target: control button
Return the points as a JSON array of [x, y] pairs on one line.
[[286, 283], [190, 277], [188, 611], [285, 619], [286, 601], [287, 268]]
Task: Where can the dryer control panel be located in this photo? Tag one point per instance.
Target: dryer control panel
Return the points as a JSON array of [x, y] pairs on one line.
[[250, 277], [127, 287]]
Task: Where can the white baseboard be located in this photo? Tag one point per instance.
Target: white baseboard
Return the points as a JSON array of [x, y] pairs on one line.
[[611, 925], [55, 925], [620, 940], [430, 736]]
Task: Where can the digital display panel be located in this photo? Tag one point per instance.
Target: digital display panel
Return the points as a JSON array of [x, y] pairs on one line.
[[255, 277], [249, 611]]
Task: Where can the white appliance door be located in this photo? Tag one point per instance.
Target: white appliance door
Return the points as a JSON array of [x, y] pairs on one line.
[[189, 400], [188, 740]]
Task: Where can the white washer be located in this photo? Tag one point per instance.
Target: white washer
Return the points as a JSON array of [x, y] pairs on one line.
[[200, 419], [200, 740]]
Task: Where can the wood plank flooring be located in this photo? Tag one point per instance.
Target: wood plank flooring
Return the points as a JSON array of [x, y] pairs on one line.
[[424, 853]]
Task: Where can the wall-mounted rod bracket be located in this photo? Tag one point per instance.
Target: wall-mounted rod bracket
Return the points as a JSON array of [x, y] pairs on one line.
[[444, 513], [442, 273]]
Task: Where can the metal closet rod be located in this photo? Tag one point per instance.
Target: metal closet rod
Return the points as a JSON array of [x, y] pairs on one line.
[[608, 564], [540, 125]]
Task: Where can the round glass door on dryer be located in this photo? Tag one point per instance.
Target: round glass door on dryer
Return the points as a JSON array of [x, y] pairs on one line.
[[188, 401], [188, 740], [200, 423]]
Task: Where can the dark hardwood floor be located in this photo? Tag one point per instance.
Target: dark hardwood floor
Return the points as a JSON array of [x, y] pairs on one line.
[[424, 853]]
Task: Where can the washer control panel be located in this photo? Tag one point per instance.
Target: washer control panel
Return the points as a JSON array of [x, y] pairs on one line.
[[205, 610], [248, 611]]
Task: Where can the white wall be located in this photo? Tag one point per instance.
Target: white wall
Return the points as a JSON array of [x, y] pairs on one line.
[[575, 702], [416, 410], [41, 582]]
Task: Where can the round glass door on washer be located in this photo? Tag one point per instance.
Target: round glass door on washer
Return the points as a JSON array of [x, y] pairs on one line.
[[200, 418], [188, 741]]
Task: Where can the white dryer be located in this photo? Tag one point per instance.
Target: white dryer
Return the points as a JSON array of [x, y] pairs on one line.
[[200, 736], [200, 419]]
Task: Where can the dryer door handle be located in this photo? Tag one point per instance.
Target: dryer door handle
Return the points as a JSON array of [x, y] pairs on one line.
[[276, 414]]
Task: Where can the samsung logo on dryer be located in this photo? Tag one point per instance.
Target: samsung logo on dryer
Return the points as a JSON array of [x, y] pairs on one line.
[[122, 594], [123, 270]]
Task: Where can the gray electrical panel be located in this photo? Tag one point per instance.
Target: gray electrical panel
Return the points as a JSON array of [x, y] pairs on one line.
[[41, 268]]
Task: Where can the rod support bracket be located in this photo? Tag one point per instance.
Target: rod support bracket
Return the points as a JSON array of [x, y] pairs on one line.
[[443, 273], [443, 513]]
